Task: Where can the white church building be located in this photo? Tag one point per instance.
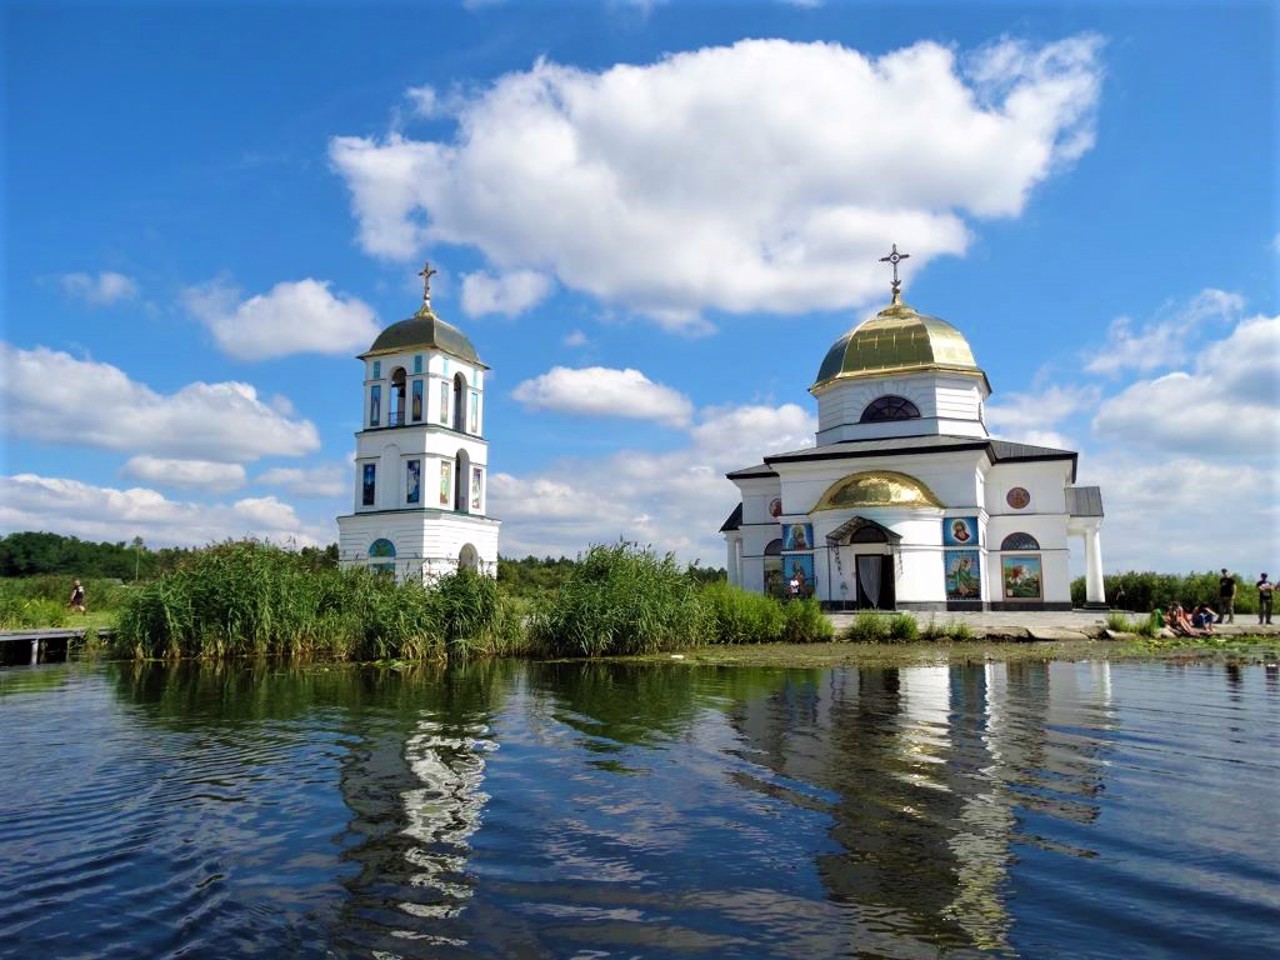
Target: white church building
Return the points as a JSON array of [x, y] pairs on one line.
[[419, 510], [906, 501]]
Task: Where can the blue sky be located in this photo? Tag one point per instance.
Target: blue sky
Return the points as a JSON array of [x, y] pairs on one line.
[[652, 220]]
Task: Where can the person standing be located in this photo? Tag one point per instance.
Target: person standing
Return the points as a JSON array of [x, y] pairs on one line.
[[77, 597], [1266, 590], [1226, 597]]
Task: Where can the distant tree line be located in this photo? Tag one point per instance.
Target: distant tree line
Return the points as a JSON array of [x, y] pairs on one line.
[[31, 554], [1145, 591]]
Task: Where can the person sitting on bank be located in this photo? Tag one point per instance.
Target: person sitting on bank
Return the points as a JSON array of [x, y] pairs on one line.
[[77, 597], [1180, 623], [1203, 618]]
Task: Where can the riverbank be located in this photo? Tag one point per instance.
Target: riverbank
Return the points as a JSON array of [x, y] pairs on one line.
[[1003, 636]]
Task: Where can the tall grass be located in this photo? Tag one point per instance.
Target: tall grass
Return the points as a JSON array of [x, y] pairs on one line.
[[248, 598], [42, 601], [621, 599]]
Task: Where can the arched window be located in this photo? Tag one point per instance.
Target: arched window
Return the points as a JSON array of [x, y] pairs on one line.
[[890, 408], [774, 549], [1019, 541], [395, 418], [382, 556], [459, 403]]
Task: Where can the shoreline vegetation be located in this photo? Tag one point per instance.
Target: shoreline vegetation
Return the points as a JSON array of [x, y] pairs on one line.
[[250, 599]]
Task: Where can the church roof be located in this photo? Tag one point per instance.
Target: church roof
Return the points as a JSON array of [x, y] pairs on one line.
[[897, 340], [734, 520], [424, 330], [998, 451]]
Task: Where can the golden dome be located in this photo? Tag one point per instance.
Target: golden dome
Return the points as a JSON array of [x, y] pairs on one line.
[[897, 340], [877, 488]]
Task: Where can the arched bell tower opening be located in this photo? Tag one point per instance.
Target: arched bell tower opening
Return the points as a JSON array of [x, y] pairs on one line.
[[419, 488], [395, 418], [461, 475], [459, 402]]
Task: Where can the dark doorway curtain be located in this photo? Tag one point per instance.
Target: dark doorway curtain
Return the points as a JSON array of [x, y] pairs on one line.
[[887, 599]]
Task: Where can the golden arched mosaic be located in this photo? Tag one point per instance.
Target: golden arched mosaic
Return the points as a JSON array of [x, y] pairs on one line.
[[877, 488]]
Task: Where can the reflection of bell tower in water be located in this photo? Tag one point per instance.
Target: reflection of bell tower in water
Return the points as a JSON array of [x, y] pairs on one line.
[[421, 458]]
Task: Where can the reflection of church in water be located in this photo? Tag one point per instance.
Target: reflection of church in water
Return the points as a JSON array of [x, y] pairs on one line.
[[906, 501], [941, 776]]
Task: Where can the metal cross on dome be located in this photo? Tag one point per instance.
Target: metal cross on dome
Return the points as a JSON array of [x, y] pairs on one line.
[[426, 273], [894, 258]]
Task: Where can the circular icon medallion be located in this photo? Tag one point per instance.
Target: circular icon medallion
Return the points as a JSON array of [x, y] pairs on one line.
[[775, 507], [1018, 498]]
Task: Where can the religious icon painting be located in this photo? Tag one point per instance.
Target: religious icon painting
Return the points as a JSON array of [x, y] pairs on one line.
[[775, 507], [797, 571], [475, 413], [417, 400], [1018, 498], [477, 477], [774, 586], [446, 482], [444, 401], [797, 536], [959, 531], [413, 481], [964, 580], [368, 491], [1022, 578], [375, 405]]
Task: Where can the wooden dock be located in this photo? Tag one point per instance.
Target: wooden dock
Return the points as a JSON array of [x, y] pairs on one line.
[[42, 644]]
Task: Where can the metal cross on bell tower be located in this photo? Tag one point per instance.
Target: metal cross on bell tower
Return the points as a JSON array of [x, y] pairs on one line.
[[426, 273], [894, 258]]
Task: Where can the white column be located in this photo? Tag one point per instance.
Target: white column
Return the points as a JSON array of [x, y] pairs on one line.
[[1094, 592]]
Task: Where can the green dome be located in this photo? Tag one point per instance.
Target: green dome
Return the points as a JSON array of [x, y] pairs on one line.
[[897, 340], [423, 331]]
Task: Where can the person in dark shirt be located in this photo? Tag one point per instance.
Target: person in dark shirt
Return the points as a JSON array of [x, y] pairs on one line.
[[1266, 591], [1226, 598]]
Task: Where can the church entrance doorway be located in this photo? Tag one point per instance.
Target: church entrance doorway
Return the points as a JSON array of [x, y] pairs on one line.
[[874, 577], [864, 565]]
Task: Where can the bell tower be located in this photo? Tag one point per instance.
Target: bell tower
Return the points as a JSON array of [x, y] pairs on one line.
[[422, 463]]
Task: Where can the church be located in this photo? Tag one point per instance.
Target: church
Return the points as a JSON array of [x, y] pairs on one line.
[[905, 501], [421, 460]]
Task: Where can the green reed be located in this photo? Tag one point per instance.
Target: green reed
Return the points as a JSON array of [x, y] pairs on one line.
[[621, 599]]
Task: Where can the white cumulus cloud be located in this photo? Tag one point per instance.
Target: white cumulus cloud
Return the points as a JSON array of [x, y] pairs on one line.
[[765, 175], [674, 500], [52, 397], [74, 508], [301, 317], [191, 474], [325, 481], [509, 294], [603, 392], [104, 289], [1226, 401], [1164, 342]]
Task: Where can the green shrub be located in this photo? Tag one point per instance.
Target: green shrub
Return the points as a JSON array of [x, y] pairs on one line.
[[959, 630], [903, 628], [736, 616], [867, 627], [804, 622], [621, 599], [1119, 623], [17, 612]]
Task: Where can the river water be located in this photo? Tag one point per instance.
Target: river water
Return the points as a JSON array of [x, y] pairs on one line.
[[524, 810]]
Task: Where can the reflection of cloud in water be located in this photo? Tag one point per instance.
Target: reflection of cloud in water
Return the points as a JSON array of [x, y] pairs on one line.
[[442, 815]]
